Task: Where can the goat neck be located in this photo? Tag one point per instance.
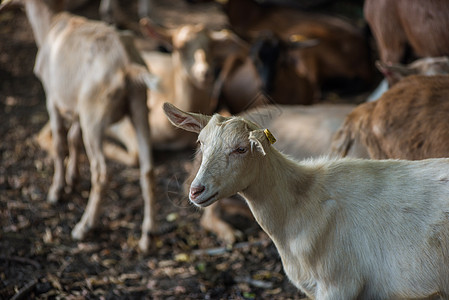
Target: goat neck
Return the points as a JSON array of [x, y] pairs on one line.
[[198, 97], [40, 17], [189, 96], [278, 174]]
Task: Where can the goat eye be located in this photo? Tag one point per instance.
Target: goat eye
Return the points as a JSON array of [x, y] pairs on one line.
[[240, 150]]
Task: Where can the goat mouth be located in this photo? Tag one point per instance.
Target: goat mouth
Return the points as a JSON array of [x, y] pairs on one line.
[[206, 202]]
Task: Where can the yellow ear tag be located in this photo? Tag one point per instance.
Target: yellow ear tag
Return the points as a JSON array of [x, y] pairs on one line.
[[270, 136], [297, 38]]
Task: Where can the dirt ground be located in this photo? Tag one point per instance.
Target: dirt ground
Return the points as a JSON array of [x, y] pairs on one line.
[[38, 259]]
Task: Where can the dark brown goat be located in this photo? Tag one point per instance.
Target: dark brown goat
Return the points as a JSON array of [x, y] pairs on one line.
[[341, 53], [410, 121], [263, 74]]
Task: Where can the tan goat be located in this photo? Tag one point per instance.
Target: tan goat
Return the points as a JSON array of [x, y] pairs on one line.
[[90, 81], [409, 121], [344, 228], [186, 79]]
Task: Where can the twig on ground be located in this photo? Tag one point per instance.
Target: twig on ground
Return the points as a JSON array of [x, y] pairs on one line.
[[23, 260], [222, 250], [23, 292], [254, 282]]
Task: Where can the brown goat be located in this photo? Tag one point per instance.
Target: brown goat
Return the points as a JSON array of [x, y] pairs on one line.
[[263, 74], [409, 121], [342, 51], [424, 66], [396, 24]]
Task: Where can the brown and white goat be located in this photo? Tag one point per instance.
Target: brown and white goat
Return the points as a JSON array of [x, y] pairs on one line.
[[90, 81], [397, 24], [344, 228], [342, 51], [409, 121]]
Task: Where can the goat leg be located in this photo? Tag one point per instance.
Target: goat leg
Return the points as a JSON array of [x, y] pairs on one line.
[[92, 128], [58, 133], [139, 118], [74, 142], [124, 133], [213, 223]]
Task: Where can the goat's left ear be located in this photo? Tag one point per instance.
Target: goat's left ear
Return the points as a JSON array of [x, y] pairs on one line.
[[158, 32], [259, 141], [394, 72], [297, 41], [185, 120]]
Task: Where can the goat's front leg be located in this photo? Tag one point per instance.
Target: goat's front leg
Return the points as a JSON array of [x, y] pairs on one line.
[[212, 222], [139, 118], [145, 8], [74, 142], [92, 128], [59, 139], [124, 133], [45, 140]]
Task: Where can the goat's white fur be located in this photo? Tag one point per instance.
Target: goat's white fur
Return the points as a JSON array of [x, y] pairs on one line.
[[91, 81], [345, 228]]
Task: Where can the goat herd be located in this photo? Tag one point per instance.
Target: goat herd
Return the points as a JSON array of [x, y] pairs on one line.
[[374, 225]]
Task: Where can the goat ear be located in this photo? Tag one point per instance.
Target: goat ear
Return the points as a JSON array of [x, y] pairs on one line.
[[162, 34], [185, 120], [9, 4], [225, 44], [258, 140], [393, 72], [297, 41]]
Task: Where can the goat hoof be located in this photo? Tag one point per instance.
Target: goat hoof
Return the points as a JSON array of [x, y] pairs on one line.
[[70, 184], [238, 235], [229, 237], [53, 197], [68, 189], [79, 232], [144, 243]]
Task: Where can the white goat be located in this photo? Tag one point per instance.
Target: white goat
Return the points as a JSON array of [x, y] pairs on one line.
[[307, 131], [345, 229], [303, 132], [91, 81]]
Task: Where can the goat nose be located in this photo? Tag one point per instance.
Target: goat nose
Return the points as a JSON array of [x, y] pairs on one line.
[[195, 191]]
